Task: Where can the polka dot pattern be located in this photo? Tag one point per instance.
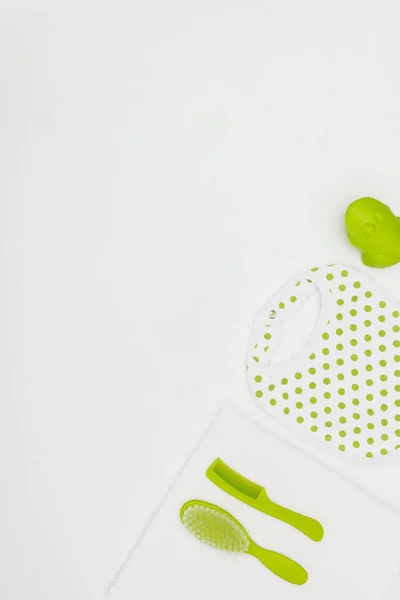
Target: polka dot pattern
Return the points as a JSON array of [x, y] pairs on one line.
[[344, 386]]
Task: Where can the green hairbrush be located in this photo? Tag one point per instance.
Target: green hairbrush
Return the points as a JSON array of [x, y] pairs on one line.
[[214, 526], [255, 496]]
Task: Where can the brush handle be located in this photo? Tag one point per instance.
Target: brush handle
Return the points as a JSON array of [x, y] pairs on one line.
[[310, 527], [281, 565]]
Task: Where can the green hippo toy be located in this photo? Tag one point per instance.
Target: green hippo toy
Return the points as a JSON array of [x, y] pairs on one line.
[[375, 230]]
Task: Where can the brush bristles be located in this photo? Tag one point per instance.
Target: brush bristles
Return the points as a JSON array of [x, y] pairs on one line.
[[215, 528], [237, 481]]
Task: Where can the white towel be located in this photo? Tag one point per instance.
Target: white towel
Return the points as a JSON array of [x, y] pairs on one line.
[[359, 556]]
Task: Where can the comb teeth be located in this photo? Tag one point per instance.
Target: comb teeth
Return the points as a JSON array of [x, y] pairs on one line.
[[237, 481]]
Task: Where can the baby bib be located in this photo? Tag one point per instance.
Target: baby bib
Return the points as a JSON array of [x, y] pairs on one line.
[[342, 386]]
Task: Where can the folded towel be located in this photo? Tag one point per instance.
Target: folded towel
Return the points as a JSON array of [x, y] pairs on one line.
[[359, 556]]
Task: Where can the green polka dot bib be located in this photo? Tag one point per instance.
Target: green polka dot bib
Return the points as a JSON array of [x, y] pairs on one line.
[[342, 387]]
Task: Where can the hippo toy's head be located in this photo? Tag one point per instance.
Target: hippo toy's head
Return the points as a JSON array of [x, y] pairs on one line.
[[364, 220]]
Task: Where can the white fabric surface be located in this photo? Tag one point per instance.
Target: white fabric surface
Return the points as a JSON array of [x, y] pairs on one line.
[[394, 592], [359, 556]]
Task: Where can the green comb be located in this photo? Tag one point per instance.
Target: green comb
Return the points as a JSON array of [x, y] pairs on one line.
[[255, 496], [214, 526]]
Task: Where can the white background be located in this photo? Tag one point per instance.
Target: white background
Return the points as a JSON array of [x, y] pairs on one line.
[[163, 167]]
